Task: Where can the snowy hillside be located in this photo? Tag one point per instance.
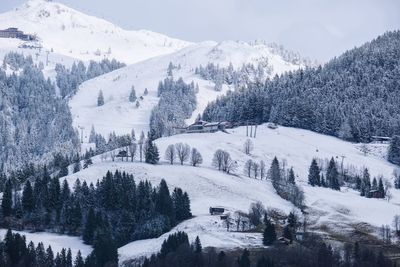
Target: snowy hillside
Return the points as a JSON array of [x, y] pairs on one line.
[[207, 187], [71, 33], [119, 115]]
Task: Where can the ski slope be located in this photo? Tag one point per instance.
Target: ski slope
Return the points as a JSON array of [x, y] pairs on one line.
[[71, 33], [336, 211], [119, 115]]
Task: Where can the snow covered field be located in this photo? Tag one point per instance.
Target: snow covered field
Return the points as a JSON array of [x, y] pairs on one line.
[[208, 187], [57, 242]]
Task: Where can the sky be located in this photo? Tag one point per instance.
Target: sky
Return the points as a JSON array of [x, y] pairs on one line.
[[318, 29]]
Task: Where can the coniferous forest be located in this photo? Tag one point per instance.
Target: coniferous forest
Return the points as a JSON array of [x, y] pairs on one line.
[[34, 122], [354, 96], [135, 211]]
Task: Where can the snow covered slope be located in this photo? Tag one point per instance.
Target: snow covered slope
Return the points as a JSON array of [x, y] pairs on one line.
[[71, 33], [119, 115], [57, 242], [333, 210]]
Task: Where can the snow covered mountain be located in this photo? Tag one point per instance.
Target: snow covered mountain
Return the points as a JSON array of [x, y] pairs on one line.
[[71, 33], [121, 116]]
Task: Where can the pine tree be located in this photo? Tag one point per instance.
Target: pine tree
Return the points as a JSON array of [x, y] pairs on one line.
[[132, 95], [394, 150], [49, 257], [164, 204], [381, 189], [275, 172], [79, 260], [100, 99], [6, 202], [90, 227], [104, 249], [291, 178], [197, 245], [287, 233], [332, 175], [151, 153], [269, 235], [28, 200], [244, 260], [313, 174]]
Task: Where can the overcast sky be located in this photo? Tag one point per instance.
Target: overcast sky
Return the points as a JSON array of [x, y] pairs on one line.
[[319, 29]]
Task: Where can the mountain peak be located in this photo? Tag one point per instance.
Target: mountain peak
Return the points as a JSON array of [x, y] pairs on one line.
[[72, 33]]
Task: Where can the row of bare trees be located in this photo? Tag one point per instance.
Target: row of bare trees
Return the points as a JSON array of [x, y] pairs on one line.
[[223, 161], [183, 153]]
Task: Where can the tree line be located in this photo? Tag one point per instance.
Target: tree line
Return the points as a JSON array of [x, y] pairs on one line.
[[68, 80], [330, 99], [177, 250], [115, 206]]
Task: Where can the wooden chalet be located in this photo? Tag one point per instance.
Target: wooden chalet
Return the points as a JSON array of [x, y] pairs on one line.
[[216, 210]]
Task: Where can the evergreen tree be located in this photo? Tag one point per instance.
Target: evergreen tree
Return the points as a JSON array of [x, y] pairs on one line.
[[79, 260], [332, 175], [90, 227], [291, 177], [28, 200], [275, 172], [151, 152], [105, 251], [269, 235], [313, 174], [197, 245], [132, 95], [100, 99], [394, 150], [381, 189], [164, 204], [6, 202], [244, 260], [365, 184], [287, 233]]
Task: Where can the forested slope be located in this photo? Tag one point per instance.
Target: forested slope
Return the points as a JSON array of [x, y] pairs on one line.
[[33, 120], [354, 96]]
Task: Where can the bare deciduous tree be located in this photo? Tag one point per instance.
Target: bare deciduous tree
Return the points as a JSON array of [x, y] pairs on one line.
[[248, 146], [256, 169], [132, 150], [247, 167], [218, 159], [170, 154], [182, 152], [112, 154], [228, 165], [256, 212], [195, 158], [262, 169], [396, 223], [140, 143]]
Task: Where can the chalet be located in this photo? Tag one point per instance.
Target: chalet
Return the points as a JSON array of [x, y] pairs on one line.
[[216, 211], [272, 125], [203, 127], [374, 193], [15, 33], [122, 154], [380, 139]]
